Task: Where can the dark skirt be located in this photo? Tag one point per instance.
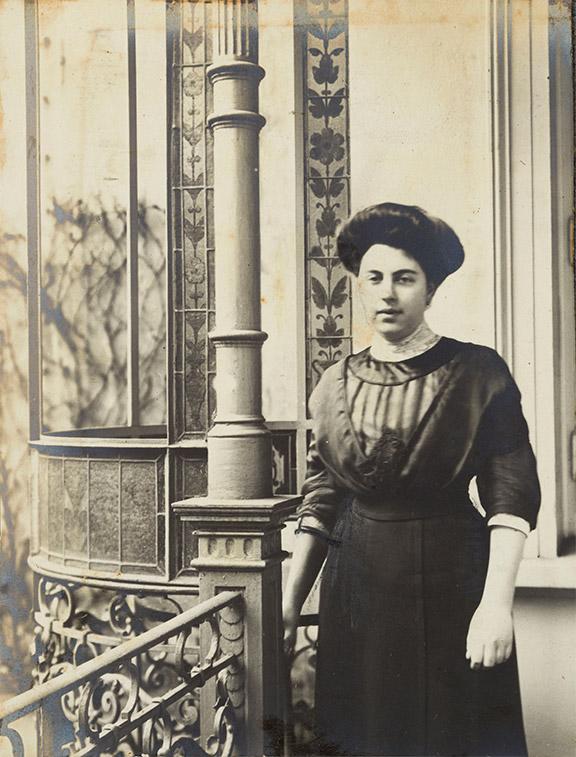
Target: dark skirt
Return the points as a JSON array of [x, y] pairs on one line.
[[392, 678]]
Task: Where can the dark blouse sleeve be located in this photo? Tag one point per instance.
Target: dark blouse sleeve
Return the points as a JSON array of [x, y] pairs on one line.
[[323, 498], [507, 478]]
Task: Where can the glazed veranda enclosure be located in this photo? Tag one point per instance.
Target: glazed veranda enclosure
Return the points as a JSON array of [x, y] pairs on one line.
[[287, 364]]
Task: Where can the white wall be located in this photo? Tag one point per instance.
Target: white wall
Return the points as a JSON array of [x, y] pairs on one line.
[[545, 632], [281, 217]]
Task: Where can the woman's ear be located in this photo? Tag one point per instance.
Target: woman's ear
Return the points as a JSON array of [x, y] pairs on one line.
[[430, 294]]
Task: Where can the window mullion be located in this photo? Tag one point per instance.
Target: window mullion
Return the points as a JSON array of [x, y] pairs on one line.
[[133, 372]]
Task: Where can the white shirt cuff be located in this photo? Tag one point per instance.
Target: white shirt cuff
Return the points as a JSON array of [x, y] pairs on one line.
[[510, 521], [313, 522], [501, 519]]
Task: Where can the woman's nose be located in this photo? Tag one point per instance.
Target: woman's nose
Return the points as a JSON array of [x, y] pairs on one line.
[[387, 290]]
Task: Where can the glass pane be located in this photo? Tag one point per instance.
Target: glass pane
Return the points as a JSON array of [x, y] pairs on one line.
[[83, 126], [152, 315], [284, 462], [138, 496], [76, 507], [104, 496], [152, 221], [55, 507]]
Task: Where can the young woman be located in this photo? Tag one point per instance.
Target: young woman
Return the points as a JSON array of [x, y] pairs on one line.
[[416, 652]]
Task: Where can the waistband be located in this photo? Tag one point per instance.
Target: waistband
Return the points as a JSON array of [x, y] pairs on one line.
[[385, 507]]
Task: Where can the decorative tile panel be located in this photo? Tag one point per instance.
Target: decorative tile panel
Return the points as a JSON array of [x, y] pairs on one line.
[[324, 26], [191, 176]]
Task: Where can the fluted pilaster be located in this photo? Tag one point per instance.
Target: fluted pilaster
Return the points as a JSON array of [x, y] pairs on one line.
[[236, 30]]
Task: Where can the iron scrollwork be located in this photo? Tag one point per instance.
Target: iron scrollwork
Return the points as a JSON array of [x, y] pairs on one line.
[[147, 702], [302, 676]]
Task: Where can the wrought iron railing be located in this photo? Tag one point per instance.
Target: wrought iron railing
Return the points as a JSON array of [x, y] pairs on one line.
[[110, 710], [301, 734]]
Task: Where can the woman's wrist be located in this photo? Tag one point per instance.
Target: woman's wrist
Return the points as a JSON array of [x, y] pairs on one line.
[[497, 603], [290, 609], [506, 546]]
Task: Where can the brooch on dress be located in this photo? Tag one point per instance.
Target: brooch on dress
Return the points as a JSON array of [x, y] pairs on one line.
[[382, 466]]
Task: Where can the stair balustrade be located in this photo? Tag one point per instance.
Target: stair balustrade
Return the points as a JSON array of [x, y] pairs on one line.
[[109, 709]]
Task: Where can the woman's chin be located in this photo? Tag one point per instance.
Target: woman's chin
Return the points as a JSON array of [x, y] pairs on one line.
[[393, 333]]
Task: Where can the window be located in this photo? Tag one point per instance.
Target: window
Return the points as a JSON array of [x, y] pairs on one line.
[[99, 250]]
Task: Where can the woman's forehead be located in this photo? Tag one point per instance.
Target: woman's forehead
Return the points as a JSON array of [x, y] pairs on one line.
[[382, 257]]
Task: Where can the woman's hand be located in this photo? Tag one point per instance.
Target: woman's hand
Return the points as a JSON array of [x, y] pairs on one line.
[[490, 635], [307, 559], [290, 619]]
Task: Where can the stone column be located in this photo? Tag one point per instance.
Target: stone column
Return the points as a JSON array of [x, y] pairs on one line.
[[239, 443], [236, 527]]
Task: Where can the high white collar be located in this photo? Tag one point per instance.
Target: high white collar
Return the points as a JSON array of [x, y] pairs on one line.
[[419, 341]]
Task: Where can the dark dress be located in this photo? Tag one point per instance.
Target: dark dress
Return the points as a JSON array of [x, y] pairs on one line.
[[406, 568]]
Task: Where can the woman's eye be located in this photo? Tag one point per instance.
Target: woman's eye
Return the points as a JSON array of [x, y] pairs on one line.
[[406, 280]]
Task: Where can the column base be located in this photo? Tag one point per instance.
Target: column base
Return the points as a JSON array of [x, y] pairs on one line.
[[240, 462]]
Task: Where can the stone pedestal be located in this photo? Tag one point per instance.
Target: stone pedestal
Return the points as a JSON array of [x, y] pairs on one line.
[[239, 547]]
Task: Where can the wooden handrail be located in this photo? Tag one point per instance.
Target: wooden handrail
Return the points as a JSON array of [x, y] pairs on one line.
[[31, 700]]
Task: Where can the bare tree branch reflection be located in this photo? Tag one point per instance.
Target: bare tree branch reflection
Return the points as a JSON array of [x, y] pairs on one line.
[[85, 316]]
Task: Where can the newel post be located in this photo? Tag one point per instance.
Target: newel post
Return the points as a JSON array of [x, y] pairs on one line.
[[237, 526]]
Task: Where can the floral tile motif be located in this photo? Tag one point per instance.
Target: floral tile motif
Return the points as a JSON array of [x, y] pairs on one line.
[[327, 180], [192, 179], [326, 168]]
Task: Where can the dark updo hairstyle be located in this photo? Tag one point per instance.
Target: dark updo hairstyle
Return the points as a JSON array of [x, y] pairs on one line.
[[430, 241]]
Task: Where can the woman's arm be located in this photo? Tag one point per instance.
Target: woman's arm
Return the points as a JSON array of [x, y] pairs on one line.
[[309, 554], [491, 631]]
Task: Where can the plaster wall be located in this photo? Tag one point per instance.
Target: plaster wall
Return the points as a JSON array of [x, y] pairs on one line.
[[280, 214], [419, 132]]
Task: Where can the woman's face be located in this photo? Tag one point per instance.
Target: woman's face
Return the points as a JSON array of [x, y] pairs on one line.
[[393, 290]]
